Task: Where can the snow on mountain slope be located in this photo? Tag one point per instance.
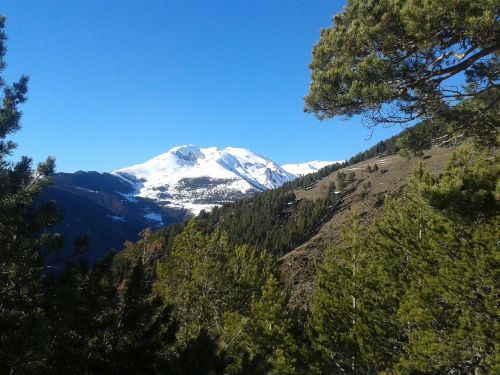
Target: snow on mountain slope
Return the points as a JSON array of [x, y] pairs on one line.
[[200, 178], [302, 169]]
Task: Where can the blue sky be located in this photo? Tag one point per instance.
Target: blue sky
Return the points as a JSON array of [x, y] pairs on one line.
[[114, 83]]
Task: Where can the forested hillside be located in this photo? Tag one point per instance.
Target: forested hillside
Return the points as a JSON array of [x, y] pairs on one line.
[[100, 214], [386, 264]]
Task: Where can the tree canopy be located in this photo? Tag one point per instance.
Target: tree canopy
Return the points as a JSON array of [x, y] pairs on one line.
[[397, 61], [416, 293]]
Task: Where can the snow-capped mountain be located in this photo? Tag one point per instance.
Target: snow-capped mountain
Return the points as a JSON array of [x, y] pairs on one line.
[[114, 207], [200, 178], [302, 169]]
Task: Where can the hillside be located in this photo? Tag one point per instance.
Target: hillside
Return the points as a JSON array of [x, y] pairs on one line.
[[297, 221], [387, 263], [110, 208], [279, 220], [208, 267], [365, 197], [98, 206]]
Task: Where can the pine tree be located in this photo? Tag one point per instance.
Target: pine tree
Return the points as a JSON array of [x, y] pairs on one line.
[[145, 330], [414, 143], [448, 307], [93, 327], [391, 62], [351, 177], [270, 330], [467, 189], [22, 221], [200, 356], [341, 180], [435, 268], [204, 277], [81, 313], [340, 316], [421, 300]]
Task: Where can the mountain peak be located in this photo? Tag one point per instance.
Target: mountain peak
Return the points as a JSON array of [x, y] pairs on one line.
[[199, 178], [187, 152], [196, 178]]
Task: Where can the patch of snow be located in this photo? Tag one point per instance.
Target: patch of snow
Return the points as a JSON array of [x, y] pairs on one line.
[[87, 190], [153, 216], [195, 208], [386, 160], [301, 169], [129, 197], [120, 219]]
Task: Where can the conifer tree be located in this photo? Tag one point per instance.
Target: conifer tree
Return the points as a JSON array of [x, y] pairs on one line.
[[200, 356], [95, 328], [448, 307], [270, 330], [467, 190], [391, 61], [145, 331], [439, 250], [426, 303], [22, 220], [340, 317], [204, 277]]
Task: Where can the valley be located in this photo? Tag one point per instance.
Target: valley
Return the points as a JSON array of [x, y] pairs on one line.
[[111, 208], [219, 260]]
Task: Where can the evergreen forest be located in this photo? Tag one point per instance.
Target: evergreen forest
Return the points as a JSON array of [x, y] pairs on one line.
[[415, 291]]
